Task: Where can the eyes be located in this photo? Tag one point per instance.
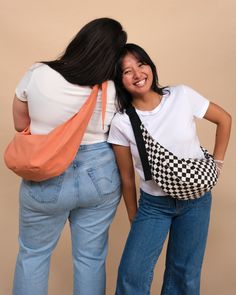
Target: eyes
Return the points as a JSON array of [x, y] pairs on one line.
[[130, 70], [127, 72]]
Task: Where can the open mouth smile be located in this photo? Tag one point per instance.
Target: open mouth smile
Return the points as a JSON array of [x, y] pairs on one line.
[[140, 83]]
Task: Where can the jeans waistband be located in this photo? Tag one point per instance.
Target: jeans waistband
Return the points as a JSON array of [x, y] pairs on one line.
[[94, 146]]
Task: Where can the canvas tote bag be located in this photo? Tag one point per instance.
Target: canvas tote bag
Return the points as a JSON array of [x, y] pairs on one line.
[[39, 157]]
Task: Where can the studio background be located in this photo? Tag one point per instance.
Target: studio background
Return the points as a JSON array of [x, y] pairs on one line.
[[191, 42]]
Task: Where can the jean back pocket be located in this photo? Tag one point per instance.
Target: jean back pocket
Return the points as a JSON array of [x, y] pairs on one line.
[[105, 178], [46, 191]]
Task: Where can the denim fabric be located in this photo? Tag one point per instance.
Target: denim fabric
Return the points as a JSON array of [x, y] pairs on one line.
[[86, 194], [186, 222]]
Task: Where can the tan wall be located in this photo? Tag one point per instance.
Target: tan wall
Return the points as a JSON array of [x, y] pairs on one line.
[[192, 42]]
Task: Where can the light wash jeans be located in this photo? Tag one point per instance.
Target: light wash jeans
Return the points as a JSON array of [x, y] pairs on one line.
[[87, 195], [187, 224]]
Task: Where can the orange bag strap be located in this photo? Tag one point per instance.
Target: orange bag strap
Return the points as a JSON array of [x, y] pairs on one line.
[[93, 96], [104, 102]]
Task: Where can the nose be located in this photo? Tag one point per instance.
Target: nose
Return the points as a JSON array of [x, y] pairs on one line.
[[136, 73]]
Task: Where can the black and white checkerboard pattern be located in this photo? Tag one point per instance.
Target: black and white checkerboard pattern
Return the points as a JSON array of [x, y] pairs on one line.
[[179, 178]]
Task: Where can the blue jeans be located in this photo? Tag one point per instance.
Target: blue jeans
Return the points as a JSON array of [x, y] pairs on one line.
[[187, 224], [86, 194]]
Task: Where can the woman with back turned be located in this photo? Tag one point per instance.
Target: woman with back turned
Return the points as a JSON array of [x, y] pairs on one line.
[[88, 192]]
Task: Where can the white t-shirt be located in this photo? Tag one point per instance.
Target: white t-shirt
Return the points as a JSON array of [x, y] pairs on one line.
[[171, 123], [52, 100]]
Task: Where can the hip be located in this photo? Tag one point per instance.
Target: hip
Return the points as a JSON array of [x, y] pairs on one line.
[[91, 179]]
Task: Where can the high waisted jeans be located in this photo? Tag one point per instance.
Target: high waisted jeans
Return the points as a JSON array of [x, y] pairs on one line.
[[187, 224], [86, 194]]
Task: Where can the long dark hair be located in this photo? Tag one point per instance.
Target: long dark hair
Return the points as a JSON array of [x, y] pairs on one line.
[[90, 57], [124, 98]]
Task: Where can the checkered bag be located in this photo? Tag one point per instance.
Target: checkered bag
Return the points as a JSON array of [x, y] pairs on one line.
[[184, 179]]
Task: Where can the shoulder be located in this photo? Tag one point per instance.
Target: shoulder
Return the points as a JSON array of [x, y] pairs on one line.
[[24, 83], [178, 89], [195, 102], [36, 67], [175, 94], [120, 130], [41, 71], [120, 121], [31, 70], [183, 92], [120, 118], [51, 80]]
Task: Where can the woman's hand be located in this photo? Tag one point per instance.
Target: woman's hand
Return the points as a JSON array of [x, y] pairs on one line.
[[219, 166]]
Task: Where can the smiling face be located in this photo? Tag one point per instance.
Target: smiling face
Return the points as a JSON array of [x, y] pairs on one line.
[[137, 77]]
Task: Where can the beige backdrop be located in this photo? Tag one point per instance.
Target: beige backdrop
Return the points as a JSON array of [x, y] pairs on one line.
[[192, 42]]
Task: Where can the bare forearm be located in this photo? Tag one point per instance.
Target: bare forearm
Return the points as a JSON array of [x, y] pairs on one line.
[[126, 168], [130, 198], [222, 119], [222, 138]]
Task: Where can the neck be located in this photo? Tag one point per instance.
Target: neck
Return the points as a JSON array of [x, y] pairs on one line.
[[147, 102]]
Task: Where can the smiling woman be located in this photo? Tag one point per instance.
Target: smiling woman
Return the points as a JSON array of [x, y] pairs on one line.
[[164, 112], [136, 73]]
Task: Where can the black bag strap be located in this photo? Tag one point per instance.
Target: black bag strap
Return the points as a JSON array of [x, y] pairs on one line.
[[136, 123]]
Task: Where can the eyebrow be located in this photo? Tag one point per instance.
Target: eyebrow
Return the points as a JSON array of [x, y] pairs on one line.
[[126, 68]]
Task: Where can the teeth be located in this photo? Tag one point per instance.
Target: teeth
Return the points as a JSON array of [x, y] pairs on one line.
[[140, 83]]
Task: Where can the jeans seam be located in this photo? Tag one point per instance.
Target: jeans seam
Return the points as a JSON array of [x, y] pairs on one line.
[[150, 278]]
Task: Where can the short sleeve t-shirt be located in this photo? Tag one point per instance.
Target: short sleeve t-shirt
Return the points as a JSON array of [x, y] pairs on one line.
[[52, 100], [171, 123]]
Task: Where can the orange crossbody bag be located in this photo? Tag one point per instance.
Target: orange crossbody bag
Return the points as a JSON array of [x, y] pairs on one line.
[[39, 157]]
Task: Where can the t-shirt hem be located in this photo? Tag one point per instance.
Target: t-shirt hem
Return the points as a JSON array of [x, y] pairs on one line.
[[117, 143], [20, 97]]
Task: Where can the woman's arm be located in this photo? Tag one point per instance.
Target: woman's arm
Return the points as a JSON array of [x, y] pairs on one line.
[[126, 168], [222, 119], [20, 114]]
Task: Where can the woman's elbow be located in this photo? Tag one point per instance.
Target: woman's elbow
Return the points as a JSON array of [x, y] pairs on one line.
[[228, 120], [21, 125], [18, 128], [224, 121]]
